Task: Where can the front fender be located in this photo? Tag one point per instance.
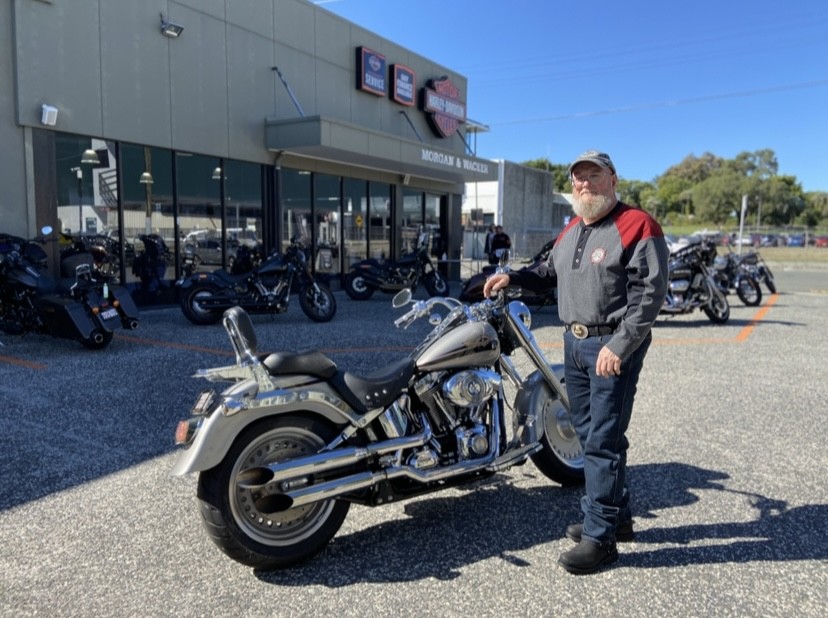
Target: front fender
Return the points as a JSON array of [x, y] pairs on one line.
[[217, 432]]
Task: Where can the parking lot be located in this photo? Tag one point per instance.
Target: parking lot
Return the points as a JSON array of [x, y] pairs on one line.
[[727, 469]]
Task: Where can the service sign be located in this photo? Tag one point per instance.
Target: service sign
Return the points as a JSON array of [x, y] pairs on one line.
[[403, 82], [441, 103], [371, 71]]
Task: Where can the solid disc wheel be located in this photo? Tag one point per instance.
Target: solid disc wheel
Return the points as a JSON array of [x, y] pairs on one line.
[[267, 540], [194, 310], [561, 458], [318, 302], [748, 291], [356, 287]]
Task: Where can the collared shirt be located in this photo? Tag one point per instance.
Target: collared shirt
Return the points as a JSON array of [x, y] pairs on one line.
[[612, 271]]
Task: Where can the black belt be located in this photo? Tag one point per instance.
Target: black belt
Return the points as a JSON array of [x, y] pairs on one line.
[[582, 331]]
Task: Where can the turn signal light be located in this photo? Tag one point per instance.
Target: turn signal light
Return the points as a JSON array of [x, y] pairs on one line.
[[186, 430], [96, 310]]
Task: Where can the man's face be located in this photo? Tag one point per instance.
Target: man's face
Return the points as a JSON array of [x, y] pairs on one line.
[[593, 190]]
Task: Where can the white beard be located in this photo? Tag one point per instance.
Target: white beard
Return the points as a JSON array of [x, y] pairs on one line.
[[592, 207]]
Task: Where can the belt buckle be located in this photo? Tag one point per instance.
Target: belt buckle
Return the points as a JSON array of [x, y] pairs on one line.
[[579, 330]]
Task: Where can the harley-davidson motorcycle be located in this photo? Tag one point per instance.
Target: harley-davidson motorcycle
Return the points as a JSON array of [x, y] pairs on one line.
[[734, 274], [692, 282], [473, 288], [285, 450], [264, 289], [391, 276], [82, 304]]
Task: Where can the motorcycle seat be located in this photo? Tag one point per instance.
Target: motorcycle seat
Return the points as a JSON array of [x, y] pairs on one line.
[[310, 363], [376, 390]]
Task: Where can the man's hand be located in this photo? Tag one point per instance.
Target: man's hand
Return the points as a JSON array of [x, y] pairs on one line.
[[494, 283], [608, 363]]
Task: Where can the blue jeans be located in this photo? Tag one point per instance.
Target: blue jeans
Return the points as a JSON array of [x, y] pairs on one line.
[[601, 409]]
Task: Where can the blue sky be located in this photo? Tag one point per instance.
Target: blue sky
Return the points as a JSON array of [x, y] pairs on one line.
[[649, 82]]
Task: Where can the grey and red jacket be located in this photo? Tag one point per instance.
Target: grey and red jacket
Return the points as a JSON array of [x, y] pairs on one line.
[[611, 272]]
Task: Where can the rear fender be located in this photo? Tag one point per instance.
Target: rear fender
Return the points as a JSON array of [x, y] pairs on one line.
[[218, 431]]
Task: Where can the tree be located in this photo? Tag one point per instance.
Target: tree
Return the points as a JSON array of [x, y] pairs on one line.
[[559, 173], [718, 197]]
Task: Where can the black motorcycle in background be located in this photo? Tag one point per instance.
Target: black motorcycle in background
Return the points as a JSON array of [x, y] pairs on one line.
[[692, 282], [82, 305], [391, 276], [150, 266], [756, 264], [473, 288], [264, 289], [734, 274]]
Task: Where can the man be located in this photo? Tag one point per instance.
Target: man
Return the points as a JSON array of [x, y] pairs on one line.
[[610, 263], [500, 240]]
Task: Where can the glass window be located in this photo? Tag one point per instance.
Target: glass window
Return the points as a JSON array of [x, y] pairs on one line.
[[412, 220], [243, 204], [379, 215], [432, 223], [296, 205], [354, 221], [199, 183], [326, 215]]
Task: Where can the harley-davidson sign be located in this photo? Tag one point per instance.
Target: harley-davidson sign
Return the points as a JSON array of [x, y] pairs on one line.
[[440, 100]]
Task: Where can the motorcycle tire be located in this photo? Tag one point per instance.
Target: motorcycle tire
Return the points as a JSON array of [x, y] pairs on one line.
[[195, 312], [767, 277], [561, 459], [98, 341], [318, 302], [356, 287], [718, 309], [748, 291], [230, 511], [436, 284]]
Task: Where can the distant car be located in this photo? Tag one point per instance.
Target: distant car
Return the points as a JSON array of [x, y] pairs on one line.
[[821, 241], [796, 240], [773, 240], [208, 251]]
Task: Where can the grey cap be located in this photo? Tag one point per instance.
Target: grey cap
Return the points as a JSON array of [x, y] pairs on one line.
[[601, 159]]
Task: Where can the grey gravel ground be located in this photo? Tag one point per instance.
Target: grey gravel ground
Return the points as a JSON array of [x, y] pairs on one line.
[[727, 467]]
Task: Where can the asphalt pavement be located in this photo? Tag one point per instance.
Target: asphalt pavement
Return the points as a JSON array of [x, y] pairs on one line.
[[727, 468]]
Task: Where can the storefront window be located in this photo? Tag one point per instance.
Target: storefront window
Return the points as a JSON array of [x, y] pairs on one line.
[[296, 206], [354, 221], [432, 223], [243, 205], [412, 220], [326, 216], [379, 214], [201, 234]]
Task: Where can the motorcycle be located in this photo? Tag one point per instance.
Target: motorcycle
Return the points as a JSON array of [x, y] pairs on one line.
[[733, 273], [692, 282], [369, 275], [285, 450], [81, 305], [150, 265], [473, 288], [264, 289], [757, 264]]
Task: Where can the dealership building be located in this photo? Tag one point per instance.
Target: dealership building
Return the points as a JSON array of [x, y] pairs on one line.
[[215, 122]]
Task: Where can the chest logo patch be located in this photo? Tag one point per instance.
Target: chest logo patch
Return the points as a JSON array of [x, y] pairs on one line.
[[598, 256]]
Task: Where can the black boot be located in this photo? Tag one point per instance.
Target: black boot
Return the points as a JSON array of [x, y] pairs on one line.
[[623, 533], [588, 557]]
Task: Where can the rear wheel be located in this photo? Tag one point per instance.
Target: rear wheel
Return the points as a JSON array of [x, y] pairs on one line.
[[238, 516], [561, 458], [748, 291], [318, 302], [193, 308], [767, 277], [356, 286]]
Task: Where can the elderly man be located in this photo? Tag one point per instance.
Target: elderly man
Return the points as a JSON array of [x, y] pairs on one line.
[[610, 265]]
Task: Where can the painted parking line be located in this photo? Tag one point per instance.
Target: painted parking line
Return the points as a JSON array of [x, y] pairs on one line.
[[11, 360]]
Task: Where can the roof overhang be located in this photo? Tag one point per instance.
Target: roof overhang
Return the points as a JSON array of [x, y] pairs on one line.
[[334, 140]]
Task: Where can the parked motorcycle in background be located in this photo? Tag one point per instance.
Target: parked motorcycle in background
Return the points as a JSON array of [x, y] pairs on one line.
[[692, 282], [754, 261], [285, 450], [733, 274], [150, 265], [264, 289], [82, 305], [391, 276]]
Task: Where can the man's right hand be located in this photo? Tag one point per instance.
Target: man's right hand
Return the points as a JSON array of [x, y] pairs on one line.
[[496, 282]]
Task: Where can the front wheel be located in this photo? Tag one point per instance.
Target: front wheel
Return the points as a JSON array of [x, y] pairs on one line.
[[717, 308], [767, 277], [356, 286], [192, 304], [436, 284], [318, 302], [231, 511], [561, 458], [748, 291]]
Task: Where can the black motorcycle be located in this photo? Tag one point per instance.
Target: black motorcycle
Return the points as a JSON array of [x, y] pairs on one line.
[[150, 265], [81, 305], [734, 274], [692, 282], [390, 277], [754, 261], [473, 289], [264, 289]]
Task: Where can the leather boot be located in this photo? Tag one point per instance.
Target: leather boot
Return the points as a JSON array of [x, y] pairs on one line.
[[588, 557], [623, 533]]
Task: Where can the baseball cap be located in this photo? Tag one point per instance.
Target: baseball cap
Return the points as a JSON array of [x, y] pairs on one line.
[[593, 156]]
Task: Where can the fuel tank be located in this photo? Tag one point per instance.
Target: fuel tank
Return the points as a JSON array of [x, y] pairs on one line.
[[468, 345]]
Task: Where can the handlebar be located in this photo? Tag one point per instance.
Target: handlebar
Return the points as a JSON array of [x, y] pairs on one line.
[[477, 311]]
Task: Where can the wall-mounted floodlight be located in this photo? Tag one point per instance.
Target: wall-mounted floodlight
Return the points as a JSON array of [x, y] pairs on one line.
[[48, 115], [169, 29]]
